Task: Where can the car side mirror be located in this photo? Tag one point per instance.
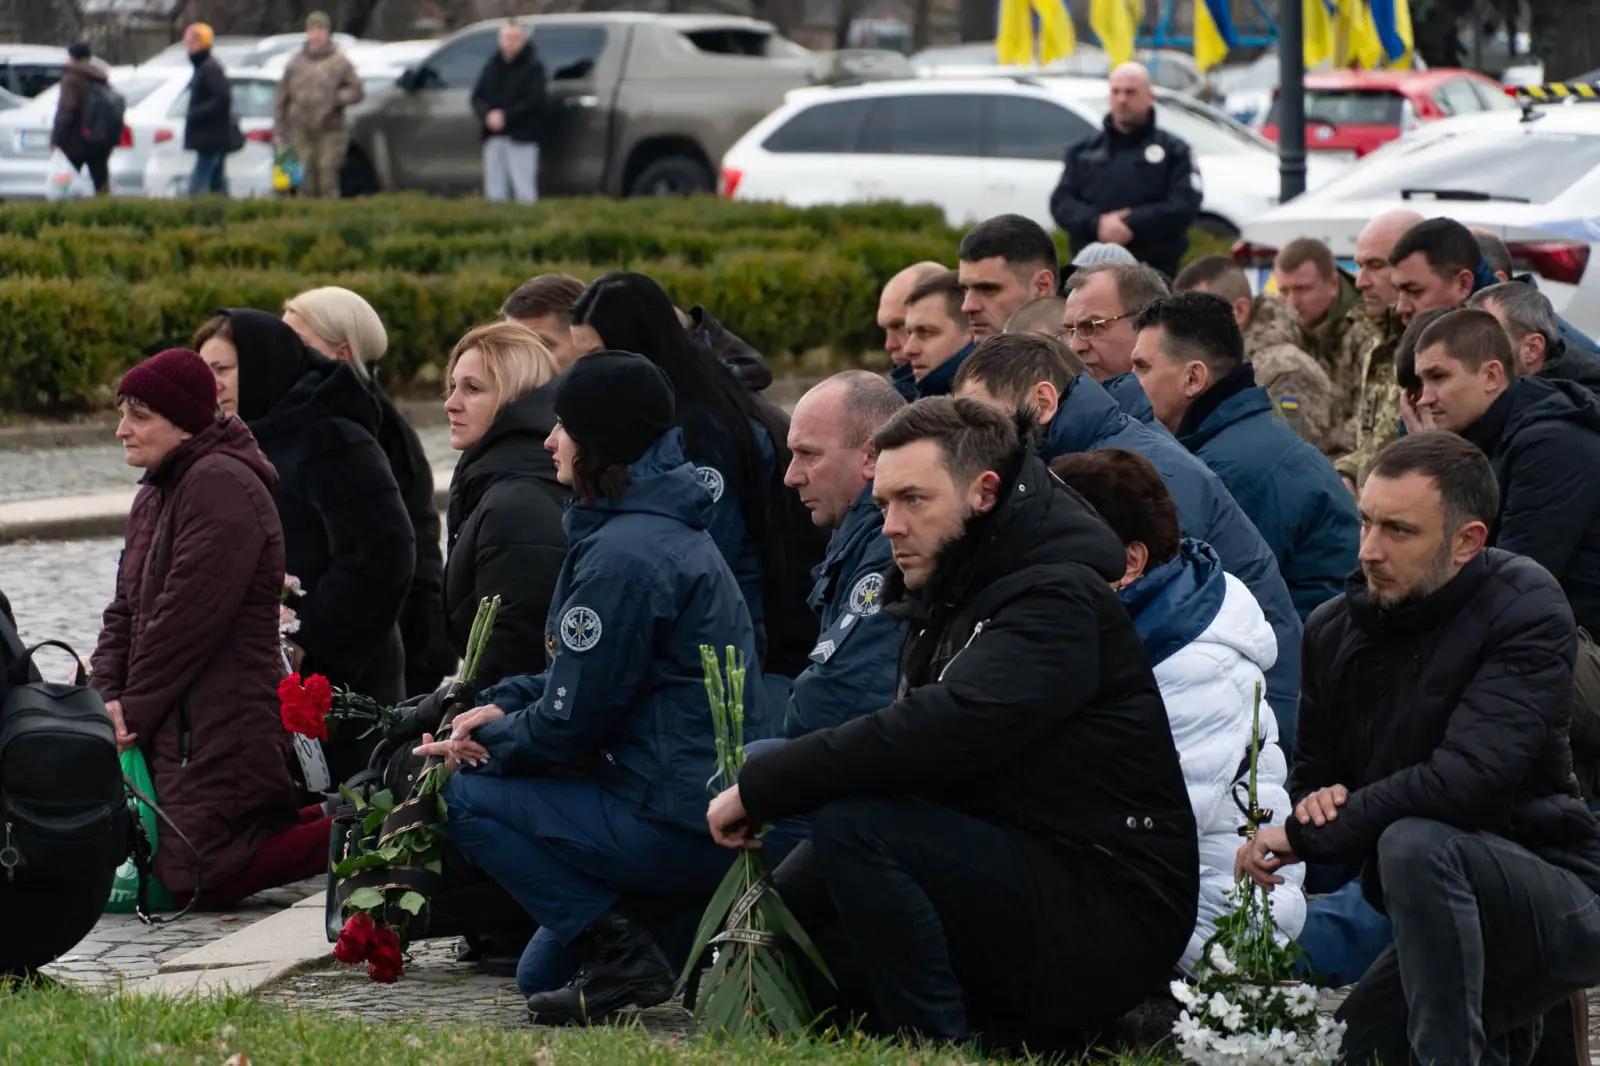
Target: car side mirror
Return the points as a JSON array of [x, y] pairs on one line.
[[414, 78]]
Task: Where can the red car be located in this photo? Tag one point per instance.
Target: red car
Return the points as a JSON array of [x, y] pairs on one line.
[[1355, 111]]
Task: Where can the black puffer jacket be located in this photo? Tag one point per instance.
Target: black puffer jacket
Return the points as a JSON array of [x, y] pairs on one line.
[[732, 351], [1543, 439], [345, 530], [422, 629], [516, 88], [1452, 708], [1025, 699], [208, 124], [506, 539], [1573, 363]]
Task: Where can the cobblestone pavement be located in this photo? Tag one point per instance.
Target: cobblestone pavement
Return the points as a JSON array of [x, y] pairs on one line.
[[436, 990], [120, 948], [45, 473]]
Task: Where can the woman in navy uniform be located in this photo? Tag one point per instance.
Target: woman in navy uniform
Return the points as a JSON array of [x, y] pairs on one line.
[[583, 789]]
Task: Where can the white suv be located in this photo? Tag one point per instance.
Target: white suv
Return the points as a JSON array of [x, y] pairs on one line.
[[980, 147]]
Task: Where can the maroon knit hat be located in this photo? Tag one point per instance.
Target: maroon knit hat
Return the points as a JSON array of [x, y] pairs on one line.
[[177, 385]]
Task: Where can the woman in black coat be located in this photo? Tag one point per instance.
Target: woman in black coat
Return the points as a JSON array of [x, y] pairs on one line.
[[346, 533], [504, 520]]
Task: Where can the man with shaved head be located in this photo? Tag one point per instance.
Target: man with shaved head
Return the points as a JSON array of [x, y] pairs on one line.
[[1132, 184], [892, 320]]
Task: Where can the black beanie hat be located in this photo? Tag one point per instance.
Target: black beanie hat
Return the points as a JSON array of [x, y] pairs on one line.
[[618, 402]]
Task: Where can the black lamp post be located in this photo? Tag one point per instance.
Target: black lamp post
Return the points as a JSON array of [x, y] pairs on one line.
[[1291, 101]]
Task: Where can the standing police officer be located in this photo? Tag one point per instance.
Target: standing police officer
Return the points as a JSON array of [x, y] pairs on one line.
[[1133, 184]]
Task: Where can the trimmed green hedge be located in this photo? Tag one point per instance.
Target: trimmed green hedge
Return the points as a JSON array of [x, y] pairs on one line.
[[89, 288]]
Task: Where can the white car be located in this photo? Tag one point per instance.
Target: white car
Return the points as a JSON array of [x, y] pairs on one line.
[[25, 157], [166, 168], [980, 147], [1532, 180]]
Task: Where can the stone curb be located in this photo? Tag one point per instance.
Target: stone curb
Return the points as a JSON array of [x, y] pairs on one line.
[[106, 514], [242, 962]]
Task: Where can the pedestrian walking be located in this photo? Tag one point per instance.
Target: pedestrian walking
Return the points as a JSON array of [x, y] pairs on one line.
[[88, 123], [509, 100], [209, 129], [316, 87]]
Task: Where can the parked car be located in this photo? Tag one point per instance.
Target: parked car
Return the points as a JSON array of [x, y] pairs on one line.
[[1168, 68], [30, 69], [10, 101], [1352, 112], [979, 147], [166, 167], [639, 104], [1531, 180], [25, 156]]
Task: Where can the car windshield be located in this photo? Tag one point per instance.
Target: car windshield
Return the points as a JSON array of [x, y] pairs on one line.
[[1207, 132], [1353, 107], [1522, 166]]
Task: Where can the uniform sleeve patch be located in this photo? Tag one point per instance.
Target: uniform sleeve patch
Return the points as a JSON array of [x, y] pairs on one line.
[[711, 478], [580, 628], [867, 596]]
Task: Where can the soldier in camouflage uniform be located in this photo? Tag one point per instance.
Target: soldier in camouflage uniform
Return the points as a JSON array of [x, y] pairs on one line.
[[1275, 344]]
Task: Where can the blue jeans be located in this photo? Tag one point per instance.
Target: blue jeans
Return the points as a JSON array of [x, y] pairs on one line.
[[1343, 936], [208, 174], [567, 851]]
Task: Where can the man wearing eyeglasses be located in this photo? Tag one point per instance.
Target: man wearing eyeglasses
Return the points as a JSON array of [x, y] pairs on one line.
[[1102, 302]]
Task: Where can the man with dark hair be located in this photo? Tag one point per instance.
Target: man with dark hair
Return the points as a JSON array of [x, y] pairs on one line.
[[541, 304], [1190, 358], [853, 666], [1274, 342], [1543, 439], [1436, 263], [1494, 252], [1005, 262], [892, 320], [1025, 774], [1102, 301], [1538, 334], [1131, 184], [1433, 753], [938, 337], [1019, 371]]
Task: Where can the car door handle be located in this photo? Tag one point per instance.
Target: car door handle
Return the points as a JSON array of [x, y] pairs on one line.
[[583, 101]]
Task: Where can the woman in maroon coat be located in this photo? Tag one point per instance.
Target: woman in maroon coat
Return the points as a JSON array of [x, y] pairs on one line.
[[187, 658]]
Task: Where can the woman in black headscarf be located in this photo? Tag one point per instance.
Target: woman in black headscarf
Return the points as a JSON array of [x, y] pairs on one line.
[[346, 533]]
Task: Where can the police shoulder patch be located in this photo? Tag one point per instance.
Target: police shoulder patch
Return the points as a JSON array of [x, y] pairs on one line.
[[867, 595], [711, 478], [580, 628]]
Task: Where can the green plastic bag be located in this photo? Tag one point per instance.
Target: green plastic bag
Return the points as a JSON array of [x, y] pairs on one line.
[[125, 886]]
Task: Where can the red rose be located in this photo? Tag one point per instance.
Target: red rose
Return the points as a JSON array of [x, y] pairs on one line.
[[355, 939], [299, 705], [383, 957], [319, 694]]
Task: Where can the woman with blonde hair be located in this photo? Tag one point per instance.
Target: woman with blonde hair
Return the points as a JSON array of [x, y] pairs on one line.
[[503, 524], [343, 326]]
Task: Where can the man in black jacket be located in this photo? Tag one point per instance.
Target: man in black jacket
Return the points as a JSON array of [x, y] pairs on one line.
[[208, 126], [1542, 438], [1007, 850], [1433, 752], [509, 100], [1132, 184], [1538, 334]]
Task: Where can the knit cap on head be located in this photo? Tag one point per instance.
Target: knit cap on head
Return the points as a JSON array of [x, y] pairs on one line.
[[1101, 252], [318, 20], [80, 51], [177, 385], [618, 402], [202, 34]]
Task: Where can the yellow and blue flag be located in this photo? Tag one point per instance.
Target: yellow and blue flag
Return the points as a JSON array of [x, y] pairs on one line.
[[1057, 38], [1356, 37], [1034, 31], [1213, 33], [1116, 23], [1318, 16], [1392, 21], [1013, 42]]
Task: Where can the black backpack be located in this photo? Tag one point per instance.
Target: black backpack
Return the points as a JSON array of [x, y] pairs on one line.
[[103, 108], [63, 815]]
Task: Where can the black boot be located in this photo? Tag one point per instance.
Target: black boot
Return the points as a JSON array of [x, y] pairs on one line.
[[622, 967]]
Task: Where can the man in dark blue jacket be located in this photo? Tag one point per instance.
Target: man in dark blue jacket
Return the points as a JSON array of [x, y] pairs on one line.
[[586, 783], [1025, 370], [853, 666], [1132, 184], [1102, 302], [938, 336], [1190, 358]]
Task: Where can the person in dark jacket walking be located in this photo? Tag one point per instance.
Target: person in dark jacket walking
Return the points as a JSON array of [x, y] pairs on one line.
[[343, 326], [1542, 438], [346, 533], [585, 783], [1536, 334], [1025, 370], [1024, 774], [1190, 360], [506, 503], [1433, 753], [1132, 184], [736, 439], [208, 128], [68, 133], [187, 657], [509, 101]]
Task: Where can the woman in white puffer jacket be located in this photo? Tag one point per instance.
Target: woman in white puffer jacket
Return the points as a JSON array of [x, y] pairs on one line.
[[1209, 645]]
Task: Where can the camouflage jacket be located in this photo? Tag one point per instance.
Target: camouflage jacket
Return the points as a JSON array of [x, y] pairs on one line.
[[1300, 389], [315, 89], [1377, 417], [1337, 343]]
